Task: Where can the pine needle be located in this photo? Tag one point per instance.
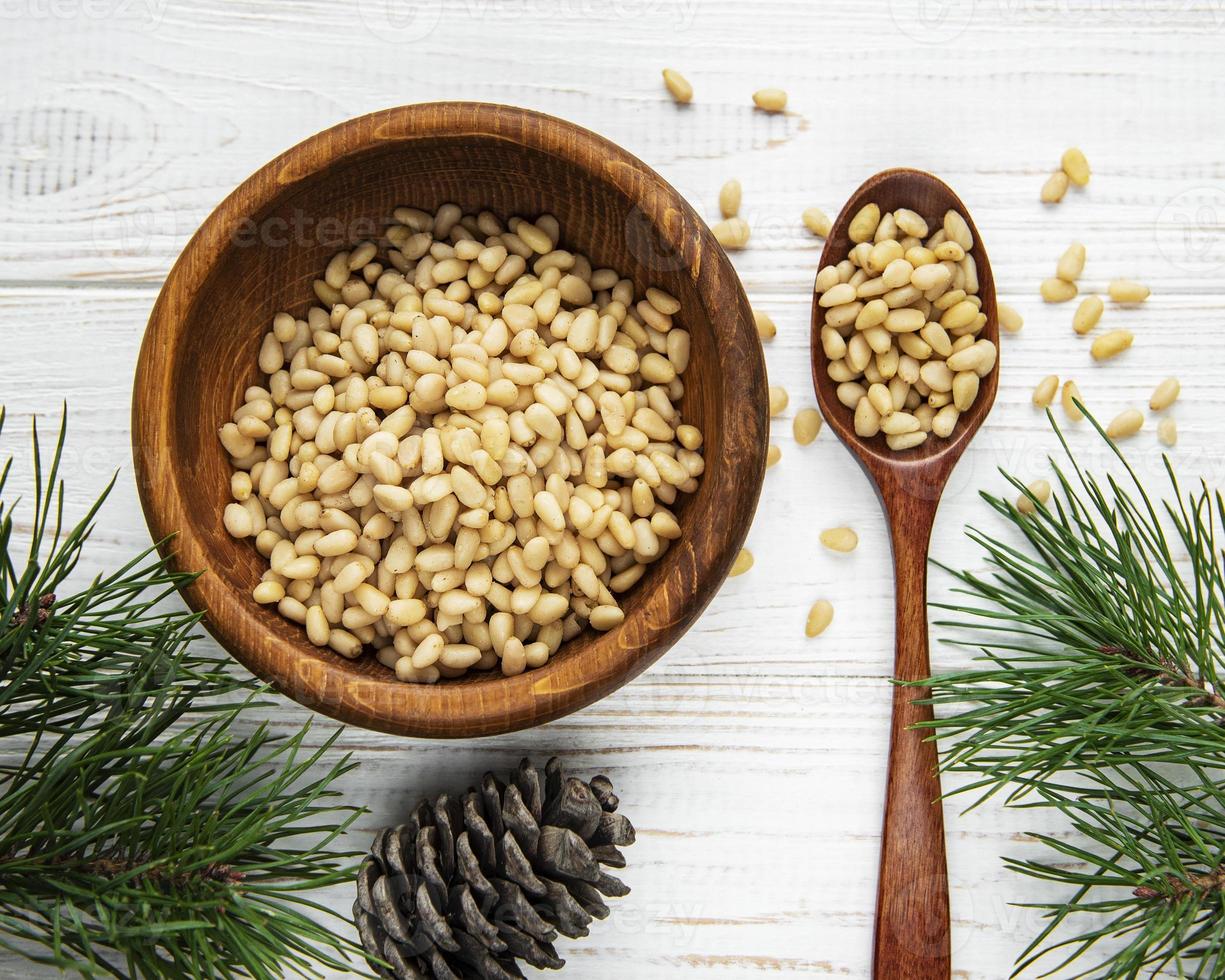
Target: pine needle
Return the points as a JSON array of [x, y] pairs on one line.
[[1100, 699], [140, 834]]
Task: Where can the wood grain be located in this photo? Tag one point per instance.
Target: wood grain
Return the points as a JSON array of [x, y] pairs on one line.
[[259, 252], [912, 905]]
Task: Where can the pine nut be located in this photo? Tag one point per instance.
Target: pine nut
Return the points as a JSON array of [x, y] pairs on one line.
[[817, 222], [454, 444], [1127, 291], [732, 233], [1167, 431], [819, 617], [766, 329], [1075, 166], [770, 99], [807, 425], [1057, 290], [1055, 187], [1072, 263], [1165, 394], [743, 562], [773, 455], [1111, 344], [1044, 393], [677, 85], [841, 539], [1010, 319], [778, 400], [1071, 395], [1087, 314], [863, 225], [729, 198], [1125, 424], [1040, 489]]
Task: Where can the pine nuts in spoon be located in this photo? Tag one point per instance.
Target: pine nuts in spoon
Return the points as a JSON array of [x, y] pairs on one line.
[[914, 325]]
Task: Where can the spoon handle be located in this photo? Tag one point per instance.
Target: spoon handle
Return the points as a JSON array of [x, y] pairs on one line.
[[912, 901]]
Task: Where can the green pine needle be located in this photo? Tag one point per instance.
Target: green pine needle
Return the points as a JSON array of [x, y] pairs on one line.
[[1103, 638], [140, 836]]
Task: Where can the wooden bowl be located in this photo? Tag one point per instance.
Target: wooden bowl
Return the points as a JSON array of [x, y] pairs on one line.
[[258, 253]]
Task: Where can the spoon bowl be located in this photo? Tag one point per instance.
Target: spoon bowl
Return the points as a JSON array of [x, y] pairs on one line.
[[912, 904], [931, 198]]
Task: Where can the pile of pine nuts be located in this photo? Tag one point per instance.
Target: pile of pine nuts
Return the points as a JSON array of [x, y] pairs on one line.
[[902, 318], [466, 451]]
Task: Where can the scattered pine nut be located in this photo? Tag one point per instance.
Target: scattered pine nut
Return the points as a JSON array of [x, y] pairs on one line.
[[732, 233], [1111, 344], [1167, 431], [1040, 489], [841, 539], [1071, 395], [773, 455], [1055, 187], [1165, 394], [1075, 166], [1010, 319], [765, 326], [807, 425], [770, 99], [729, 198], [1046, 390], [678, 86], [743, 562], [1072, 263], [1056, 290], [1127, 291], [819, 617], [1126, 424], [778, 400], [1087, 314], [817, 221]]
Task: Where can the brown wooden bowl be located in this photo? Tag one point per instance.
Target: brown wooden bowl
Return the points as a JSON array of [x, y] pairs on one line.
[[258, 253]]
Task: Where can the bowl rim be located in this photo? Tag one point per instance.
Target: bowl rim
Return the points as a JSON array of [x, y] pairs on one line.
[[324, 683]]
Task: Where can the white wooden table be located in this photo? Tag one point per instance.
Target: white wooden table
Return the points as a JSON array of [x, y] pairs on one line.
[[750, 758]]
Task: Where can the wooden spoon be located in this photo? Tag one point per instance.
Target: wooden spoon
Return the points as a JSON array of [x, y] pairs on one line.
[[912, 903]]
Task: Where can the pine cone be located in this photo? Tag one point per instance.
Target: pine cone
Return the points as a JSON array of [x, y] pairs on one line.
[[467, 887]]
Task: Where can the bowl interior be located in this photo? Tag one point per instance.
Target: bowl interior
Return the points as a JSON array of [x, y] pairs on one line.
[[259, 254]]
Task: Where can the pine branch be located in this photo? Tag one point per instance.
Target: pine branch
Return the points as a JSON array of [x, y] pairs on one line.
[[1101, 700], [140, 835]]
